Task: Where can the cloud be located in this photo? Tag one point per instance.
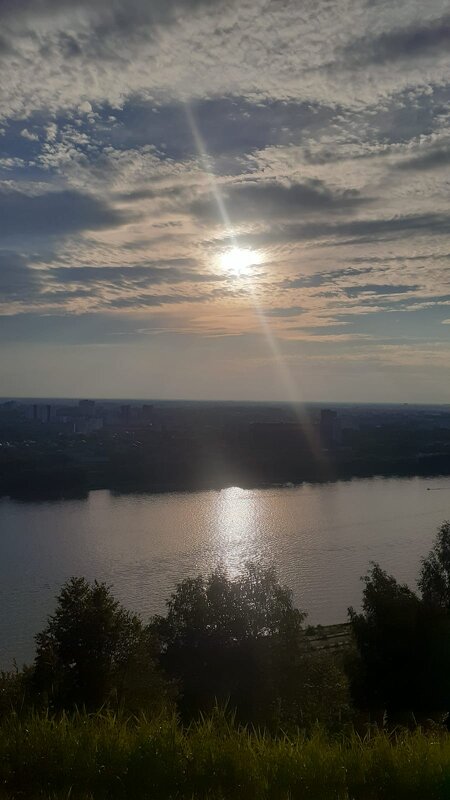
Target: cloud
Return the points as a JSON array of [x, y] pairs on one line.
[[365, 230], [68, 54], [26, 134], [324, 127], [434, 158], [54, 214], [180, 271], [78, 289], [255, 201], [379, 289], [410, 42], [231, 127], [106, 15], [359, 231], [286, 311], [155, 300], [17, 280], [322, 278]]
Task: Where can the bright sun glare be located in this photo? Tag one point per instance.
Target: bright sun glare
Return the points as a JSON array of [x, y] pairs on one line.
[[239, 261]]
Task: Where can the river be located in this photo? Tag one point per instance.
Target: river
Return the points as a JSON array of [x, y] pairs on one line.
[[321, 538]]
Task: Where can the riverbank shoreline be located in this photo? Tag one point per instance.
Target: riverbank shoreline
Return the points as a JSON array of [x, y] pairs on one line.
[[31, 494]]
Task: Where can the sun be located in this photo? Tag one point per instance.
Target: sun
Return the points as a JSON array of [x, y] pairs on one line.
[[239, 260]]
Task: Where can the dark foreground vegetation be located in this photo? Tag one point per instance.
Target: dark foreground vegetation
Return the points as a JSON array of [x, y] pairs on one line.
[[230, 695], [102, 756]]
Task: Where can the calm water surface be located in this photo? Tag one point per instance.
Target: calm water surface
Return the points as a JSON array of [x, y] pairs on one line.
[[320, 537]]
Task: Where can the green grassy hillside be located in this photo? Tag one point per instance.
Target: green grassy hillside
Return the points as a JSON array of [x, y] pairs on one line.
[[101, 756]]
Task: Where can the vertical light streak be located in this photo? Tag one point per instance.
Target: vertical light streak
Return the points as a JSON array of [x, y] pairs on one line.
[[291, 389]]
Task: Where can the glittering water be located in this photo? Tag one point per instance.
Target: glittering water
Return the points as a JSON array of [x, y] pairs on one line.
[[320, 537]]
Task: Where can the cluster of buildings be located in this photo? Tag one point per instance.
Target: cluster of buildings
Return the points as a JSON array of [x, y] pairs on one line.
[[84, 417], [250, 425]]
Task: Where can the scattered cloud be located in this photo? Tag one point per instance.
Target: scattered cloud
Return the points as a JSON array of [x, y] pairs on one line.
[[140, 140], [55, 213], [178, 271], [258, 201], [26, 134], [413, 41], [17, 280], [377, 289]]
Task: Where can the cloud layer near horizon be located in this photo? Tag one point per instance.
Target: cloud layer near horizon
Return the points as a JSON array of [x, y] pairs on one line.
[[139, 140]]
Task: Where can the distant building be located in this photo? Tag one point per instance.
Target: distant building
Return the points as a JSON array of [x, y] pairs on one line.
[[43, 412], [87, 407], [125, 413]]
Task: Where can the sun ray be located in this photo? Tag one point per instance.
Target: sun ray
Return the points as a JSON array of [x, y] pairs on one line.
[[240, 261]]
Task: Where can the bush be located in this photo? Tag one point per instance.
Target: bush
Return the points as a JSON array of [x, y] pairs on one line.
[[15, 691]]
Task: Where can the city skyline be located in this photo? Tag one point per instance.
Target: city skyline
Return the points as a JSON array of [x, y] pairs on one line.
[[225, 201]]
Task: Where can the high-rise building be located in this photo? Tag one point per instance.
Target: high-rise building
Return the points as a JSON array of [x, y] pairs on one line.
[[87, 407], [147, 412], [43, 412], [125, 413]]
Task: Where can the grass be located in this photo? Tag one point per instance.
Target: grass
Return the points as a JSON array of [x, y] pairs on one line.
[[102, 756]]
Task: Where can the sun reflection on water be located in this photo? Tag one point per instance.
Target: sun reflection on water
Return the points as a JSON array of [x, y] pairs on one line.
[[237, 528]]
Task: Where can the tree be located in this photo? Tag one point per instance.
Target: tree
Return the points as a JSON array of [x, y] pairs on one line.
[[236, 640], [94, 652], [434, 584], [434, 580], [391, 642], [403, 640]]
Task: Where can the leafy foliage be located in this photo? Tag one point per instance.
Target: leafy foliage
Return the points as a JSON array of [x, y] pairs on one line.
[[240, 641], [403, 639], [94, 652], [386, 634], [434, 580], [231, 640]]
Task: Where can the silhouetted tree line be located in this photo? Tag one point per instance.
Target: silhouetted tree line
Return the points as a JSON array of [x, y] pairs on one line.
[[403, 639], [234, 641], [240, 641]]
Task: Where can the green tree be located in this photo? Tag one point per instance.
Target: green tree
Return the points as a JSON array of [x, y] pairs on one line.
[[403, 639], [391, 643], [434, 584], [434, 580], [236, 640], [94, 652]]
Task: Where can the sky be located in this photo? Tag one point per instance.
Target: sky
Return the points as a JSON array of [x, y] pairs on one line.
[[225, 200]]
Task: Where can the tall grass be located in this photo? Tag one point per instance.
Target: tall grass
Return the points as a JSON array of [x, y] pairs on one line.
[[103, 756]]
